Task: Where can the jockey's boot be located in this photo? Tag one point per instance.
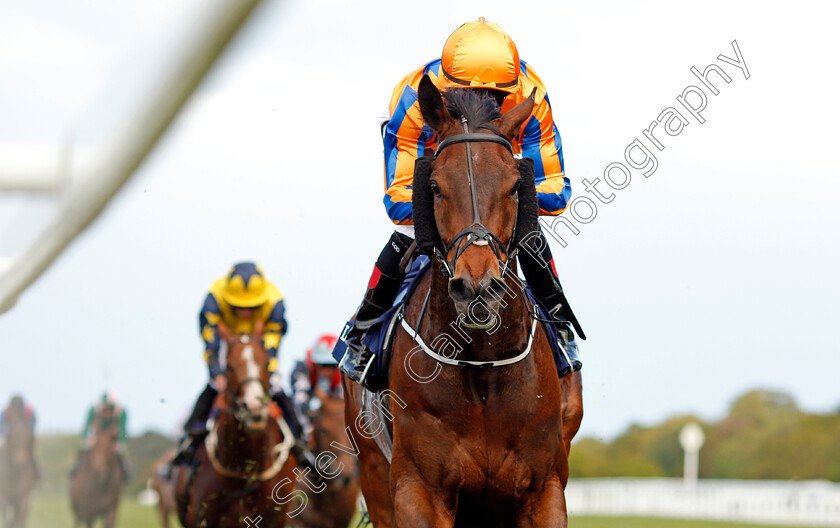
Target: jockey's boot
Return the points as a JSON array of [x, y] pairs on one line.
[[197, 422], [35, 468], [300, 449], [122, 460], [383, 286], [81, 459], [196, 426], [538, 267]]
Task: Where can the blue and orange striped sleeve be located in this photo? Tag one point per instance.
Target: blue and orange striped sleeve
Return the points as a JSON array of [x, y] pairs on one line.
[[405, 138], [540, 141]]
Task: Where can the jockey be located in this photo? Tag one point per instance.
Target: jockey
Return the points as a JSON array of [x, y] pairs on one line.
[[17, 410], [239, 300], [478, 55], [318, 369], [105, 416]]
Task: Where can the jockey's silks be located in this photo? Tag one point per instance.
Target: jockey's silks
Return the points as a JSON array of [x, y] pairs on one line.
[[406, 138], [215, 309]]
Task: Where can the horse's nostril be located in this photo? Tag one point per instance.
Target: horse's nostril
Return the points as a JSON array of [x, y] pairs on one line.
[[495, 289], [461, 290]]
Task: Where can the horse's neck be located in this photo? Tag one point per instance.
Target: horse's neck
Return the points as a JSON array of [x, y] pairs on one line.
[[237, 445], [506, 339], [100, 456]]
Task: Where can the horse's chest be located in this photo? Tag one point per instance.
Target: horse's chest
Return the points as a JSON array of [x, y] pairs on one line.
[[496, 452]]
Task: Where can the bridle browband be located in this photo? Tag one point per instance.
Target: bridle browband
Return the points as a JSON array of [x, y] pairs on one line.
[[476, 233]]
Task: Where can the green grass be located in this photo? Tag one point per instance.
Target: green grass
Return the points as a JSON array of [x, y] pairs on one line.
[[53, 511]]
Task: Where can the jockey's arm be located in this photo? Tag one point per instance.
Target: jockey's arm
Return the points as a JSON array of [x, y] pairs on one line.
[[275, 328], [404, 140], [122, 436], [91, 416], [301, 385], [208, 323], [540, 141]]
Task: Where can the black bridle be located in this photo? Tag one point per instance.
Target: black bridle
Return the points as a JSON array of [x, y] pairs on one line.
[[477, 233]]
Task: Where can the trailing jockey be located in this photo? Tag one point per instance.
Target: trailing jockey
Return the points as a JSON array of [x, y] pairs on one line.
[[318, 369], [240, 300], [15, 411], [106, 416], [478, 55]]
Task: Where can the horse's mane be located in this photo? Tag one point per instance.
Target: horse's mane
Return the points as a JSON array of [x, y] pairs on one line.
[[479, 107]]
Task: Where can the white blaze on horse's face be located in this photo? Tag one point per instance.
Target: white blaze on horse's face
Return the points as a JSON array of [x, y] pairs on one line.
[[254, 394]]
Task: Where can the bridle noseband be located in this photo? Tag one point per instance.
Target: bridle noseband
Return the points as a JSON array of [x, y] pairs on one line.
[[477, 233]]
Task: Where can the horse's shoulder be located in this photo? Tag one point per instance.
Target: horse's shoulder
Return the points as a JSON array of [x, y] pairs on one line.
[[415, 302]]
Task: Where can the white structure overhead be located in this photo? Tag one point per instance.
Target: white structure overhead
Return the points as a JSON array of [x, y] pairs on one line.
[[46, 169]]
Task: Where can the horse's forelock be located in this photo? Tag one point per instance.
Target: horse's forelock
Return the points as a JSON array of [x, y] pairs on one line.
[[479, 108]]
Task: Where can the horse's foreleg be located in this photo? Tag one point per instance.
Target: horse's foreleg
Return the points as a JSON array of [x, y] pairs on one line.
[[22, 512], [547, 508], [164, 515], [415, 506], [111, 518], [572, 410]]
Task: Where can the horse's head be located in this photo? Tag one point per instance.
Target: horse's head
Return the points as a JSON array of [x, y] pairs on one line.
[[247, 379], [103, 454], [475, 197]]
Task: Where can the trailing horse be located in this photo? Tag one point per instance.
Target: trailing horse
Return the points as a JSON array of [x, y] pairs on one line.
[[480, 421], [164, 485], [17, 471], [335, 505], [244, 464], [97, 484]]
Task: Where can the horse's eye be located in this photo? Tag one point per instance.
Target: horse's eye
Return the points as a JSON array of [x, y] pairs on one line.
[[435, 188], [515, 188]]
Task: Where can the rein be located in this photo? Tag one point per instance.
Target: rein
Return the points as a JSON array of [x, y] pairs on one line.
[[477, 233], [240, 413]]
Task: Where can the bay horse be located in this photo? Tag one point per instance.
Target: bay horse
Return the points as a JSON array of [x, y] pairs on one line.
[[334, 507], [17, 470], [96, 486], [481, 435], [244, 465]]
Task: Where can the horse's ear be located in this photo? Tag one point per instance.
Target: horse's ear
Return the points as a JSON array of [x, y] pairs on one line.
[[510, 122], [259, 326], [431, 104]]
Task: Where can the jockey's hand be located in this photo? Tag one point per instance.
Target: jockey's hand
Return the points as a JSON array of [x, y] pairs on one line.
[[221, 382]]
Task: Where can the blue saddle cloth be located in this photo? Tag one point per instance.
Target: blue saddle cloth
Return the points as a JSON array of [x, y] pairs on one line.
[[379, 336]]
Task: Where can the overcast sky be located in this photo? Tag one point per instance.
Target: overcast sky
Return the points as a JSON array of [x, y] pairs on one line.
[[716, 274]]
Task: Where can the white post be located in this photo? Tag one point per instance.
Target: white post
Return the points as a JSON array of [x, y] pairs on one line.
[[691, 440]]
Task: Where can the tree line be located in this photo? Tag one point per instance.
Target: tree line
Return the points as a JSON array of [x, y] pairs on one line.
[[765, 435]]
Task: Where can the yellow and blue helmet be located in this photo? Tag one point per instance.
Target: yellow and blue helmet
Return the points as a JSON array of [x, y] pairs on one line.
[[245, 286]]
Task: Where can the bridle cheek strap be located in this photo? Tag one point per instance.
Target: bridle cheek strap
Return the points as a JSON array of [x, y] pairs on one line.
[[477, 233]]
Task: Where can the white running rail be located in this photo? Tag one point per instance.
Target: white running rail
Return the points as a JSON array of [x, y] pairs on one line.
[[802, 503]]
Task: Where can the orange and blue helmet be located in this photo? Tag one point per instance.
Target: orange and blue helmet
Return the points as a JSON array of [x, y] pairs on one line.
[[245, 286], [481, 55]]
